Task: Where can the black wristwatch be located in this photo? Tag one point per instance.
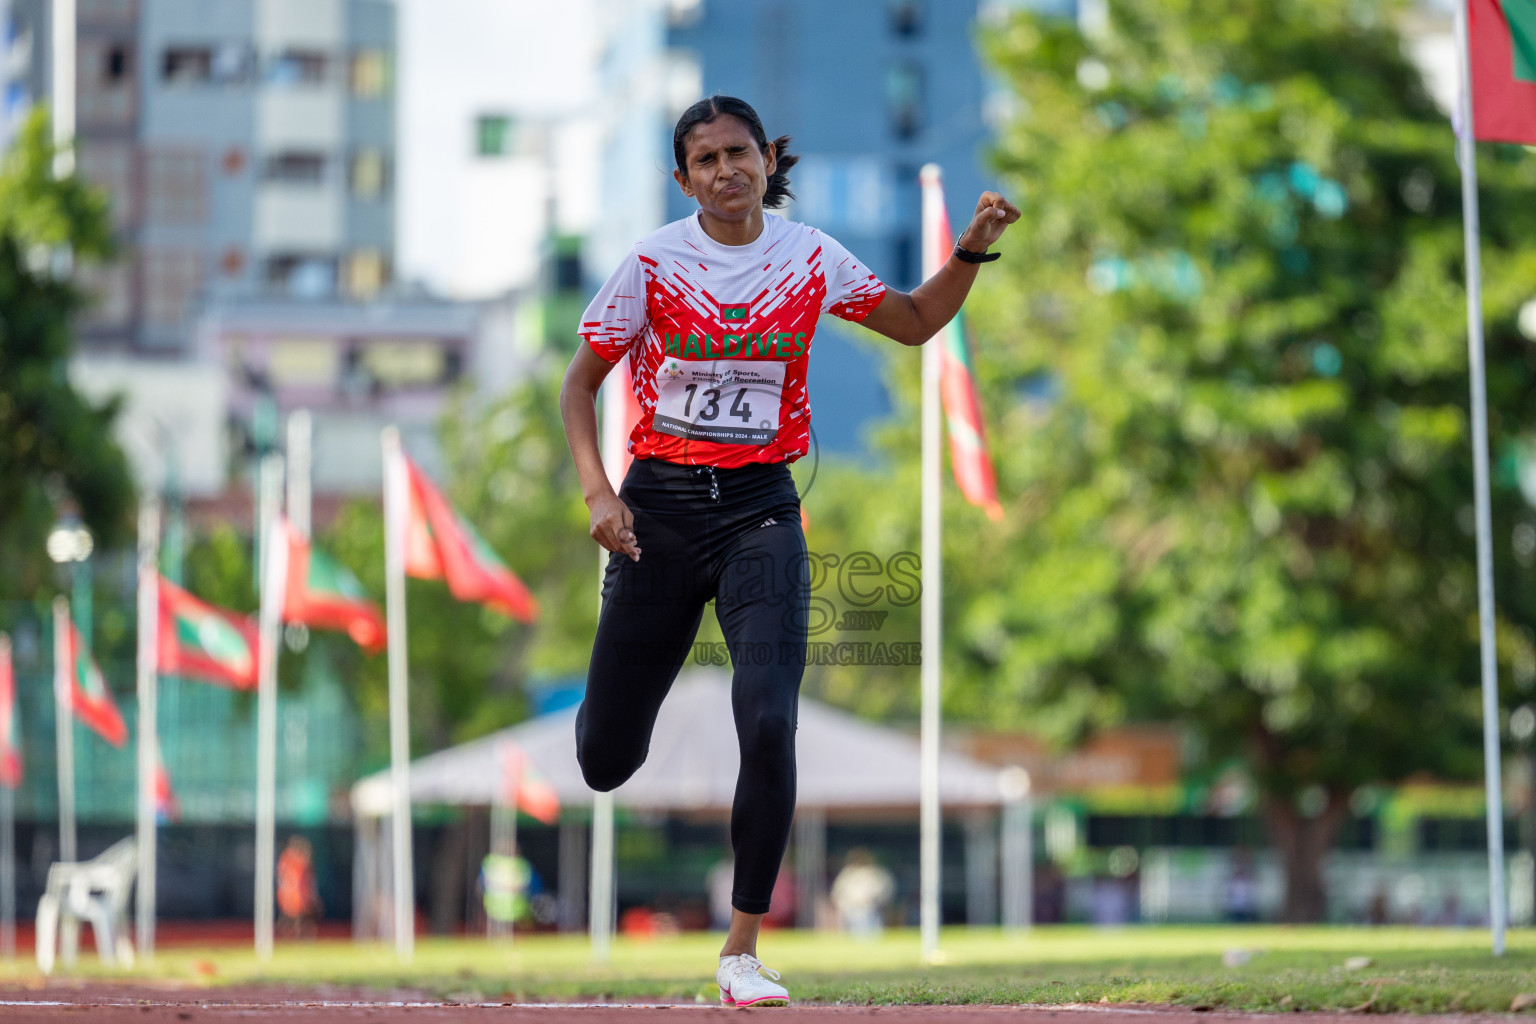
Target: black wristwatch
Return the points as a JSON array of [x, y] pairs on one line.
[[966, 256]]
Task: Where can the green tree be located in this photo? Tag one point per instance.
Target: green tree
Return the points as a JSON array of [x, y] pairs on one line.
[[55, 446], [1246, 499]]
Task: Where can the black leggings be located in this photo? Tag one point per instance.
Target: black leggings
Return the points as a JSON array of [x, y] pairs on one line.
[[734, 536]]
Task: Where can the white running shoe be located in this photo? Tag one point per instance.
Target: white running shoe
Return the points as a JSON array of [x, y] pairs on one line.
[[742, 983]]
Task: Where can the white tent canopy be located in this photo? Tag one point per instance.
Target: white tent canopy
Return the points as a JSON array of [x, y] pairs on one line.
[[843, 761]]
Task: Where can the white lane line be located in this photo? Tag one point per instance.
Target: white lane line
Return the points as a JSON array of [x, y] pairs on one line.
[[342, 1005]]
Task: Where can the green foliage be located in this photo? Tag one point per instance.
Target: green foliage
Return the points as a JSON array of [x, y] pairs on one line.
[[55, 446], [509, 473], [1246, 503]]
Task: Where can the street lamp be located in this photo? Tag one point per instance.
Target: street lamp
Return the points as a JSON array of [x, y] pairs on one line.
[[71, 543]]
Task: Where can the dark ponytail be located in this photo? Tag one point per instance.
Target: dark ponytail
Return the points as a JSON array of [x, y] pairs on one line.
[[706, 110]]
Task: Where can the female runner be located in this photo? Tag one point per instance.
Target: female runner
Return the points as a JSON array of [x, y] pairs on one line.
[[716, 313]]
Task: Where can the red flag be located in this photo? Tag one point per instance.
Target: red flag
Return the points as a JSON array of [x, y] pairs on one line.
[[1502, 38], [440, 544], [10, 739], [200, 641], [957, 384], [525, 787], [322, 593], [89, 699], [167, 807]]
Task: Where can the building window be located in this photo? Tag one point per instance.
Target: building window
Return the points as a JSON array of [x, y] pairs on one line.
[[116, 69], [297, 67], [224, 64], [186, 65], [105, 97], [906, 16], [100, 12], [301, 275], [904, 260], [296, 167], [367, 174], [111, 290], [171, 279], [904, 98], [365, 274], [175, 186], [233, 63], [398, 364], [684, 13], [370, 74], [567, 272], [110, 165], [493, 135]]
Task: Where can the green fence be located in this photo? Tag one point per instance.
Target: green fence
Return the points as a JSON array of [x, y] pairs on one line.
[[207, 740]]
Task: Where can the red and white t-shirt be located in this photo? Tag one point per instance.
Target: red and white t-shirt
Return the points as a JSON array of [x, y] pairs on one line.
[[718, 337]]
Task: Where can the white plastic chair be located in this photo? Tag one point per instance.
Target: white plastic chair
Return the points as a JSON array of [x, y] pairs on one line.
[[95, 891]]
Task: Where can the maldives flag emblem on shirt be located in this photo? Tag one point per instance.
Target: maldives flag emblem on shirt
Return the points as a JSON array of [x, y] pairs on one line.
[[202, 642], [1503, 43], [739, 313]]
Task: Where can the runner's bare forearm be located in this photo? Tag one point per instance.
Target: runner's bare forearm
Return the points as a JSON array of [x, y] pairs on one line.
[[578, 411], [914, 318]]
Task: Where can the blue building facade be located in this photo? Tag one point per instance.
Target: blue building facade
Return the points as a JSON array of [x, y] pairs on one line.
[[869, 91]]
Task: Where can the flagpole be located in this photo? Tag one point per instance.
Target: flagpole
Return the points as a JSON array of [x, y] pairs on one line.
[[300, 432], [8, 830], [7, 866], [504, 829], [396, 515], [1466, 152], [64, 733], [274, 582], [600, 884], [149, 733], [930, 823]]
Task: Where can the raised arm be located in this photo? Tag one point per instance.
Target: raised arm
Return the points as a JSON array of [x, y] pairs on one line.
[[912, 318], [612, 525]]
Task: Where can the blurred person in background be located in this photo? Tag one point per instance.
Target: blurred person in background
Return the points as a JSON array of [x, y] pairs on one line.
[[1242, 895], [716, 313], [298, 898], [506, 883], [860, 893]]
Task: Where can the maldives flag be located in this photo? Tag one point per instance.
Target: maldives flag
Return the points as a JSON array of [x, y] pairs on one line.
[[957, 383], [321, 592], [199, 641], [1502, 38], [89, 699], [10, 738], [440, 544], [167, 807], [524, 787]]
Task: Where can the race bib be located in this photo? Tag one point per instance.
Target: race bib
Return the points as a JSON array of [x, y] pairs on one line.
[[727, 401]]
